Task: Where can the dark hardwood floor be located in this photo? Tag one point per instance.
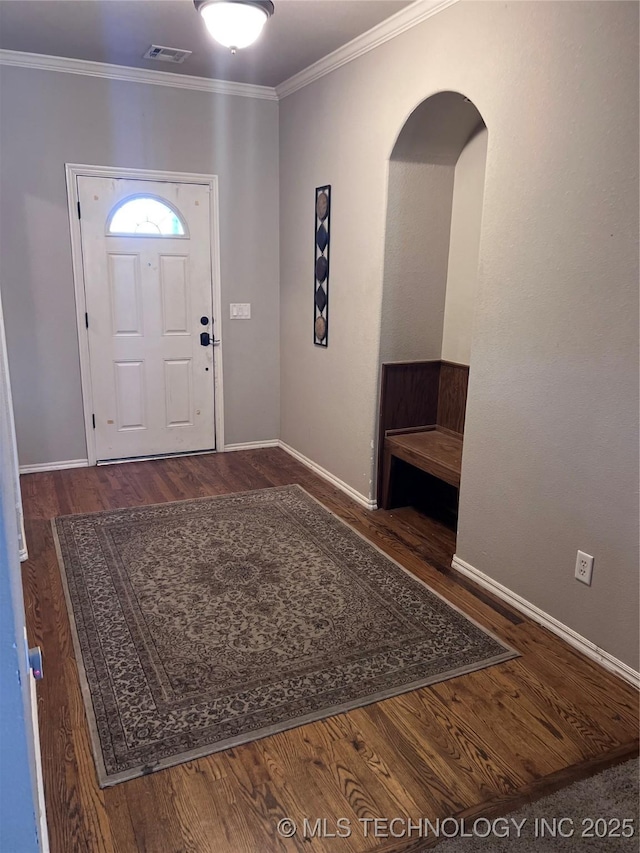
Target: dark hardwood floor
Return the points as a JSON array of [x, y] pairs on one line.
[[479, 744]]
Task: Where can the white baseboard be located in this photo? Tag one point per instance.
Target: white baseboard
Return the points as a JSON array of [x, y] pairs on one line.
[[54, 466], [251, 445], [367, 503], [563, 631], [84, 463], [246, 445]]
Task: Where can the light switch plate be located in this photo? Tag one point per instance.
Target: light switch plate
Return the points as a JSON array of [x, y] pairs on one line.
[[240, 310]]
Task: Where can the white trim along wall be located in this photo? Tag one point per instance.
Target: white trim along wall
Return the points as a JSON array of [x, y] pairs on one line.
[[391, 27], [63, 465], [563, 631], [106, 70], [73, 171]]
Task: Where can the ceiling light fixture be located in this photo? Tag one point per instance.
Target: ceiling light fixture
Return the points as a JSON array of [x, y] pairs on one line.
[[235, 23]]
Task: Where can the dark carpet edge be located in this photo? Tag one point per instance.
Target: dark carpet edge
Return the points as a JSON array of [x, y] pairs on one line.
[[530, 793]]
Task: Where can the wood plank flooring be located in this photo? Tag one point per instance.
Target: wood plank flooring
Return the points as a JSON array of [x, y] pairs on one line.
[[476, 745]]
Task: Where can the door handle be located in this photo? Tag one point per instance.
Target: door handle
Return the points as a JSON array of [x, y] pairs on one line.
[[207, 341]]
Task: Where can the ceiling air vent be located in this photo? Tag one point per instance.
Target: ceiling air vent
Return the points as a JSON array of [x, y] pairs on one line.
[[166, 54]]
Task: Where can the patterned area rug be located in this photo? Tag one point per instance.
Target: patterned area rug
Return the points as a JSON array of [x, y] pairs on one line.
[[203, 624]]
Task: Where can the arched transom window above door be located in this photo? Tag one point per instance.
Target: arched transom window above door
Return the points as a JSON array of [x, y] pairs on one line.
[[145, 215]]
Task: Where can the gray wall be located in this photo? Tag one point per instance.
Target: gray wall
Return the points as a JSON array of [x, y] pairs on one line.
[[415, 260], [464, 250], [550, 460], [48, 119]]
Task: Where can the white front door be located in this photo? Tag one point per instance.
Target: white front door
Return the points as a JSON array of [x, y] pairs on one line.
[[146, 254]]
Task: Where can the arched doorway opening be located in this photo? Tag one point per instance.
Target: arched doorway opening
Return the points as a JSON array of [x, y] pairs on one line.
[[432, 243]]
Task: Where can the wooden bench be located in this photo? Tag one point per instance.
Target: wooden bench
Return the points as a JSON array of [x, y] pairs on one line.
[[422, 408]]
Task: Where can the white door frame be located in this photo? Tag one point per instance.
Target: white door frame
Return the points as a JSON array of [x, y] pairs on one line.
[[73, 171]]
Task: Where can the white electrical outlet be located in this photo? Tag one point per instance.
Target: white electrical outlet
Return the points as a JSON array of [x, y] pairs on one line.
[[584, 567]]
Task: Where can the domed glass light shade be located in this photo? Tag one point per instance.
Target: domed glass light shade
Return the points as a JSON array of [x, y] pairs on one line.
[[235, 23]]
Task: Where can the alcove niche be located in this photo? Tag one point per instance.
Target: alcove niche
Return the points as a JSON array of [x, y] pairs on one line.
[[432, 241]]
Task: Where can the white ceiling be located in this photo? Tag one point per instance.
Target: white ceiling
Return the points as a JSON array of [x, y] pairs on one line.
[[120, 31]]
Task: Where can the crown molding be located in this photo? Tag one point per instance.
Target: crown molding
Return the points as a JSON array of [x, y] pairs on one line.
[[107, 71], [386, 30]]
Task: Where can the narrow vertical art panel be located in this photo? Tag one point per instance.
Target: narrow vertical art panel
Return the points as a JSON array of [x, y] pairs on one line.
[[321, 267]]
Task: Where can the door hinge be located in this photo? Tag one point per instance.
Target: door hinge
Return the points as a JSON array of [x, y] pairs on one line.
[[79, 214], [86, 319], [93, 418]]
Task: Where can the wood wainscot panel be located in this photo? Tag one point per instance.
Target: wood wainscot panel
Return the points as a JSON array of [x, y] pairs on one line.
[[408, 398], [452, 396]]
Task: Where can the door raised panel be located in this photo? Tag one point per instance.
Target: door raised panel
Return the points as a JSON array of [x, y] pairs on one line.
[[174, 285], [130, 395], [124, 292], [178, 385]]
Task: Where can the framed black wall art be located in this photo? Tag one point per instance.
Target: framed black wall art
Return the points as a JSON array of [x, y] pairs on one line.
[[321, 267]]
